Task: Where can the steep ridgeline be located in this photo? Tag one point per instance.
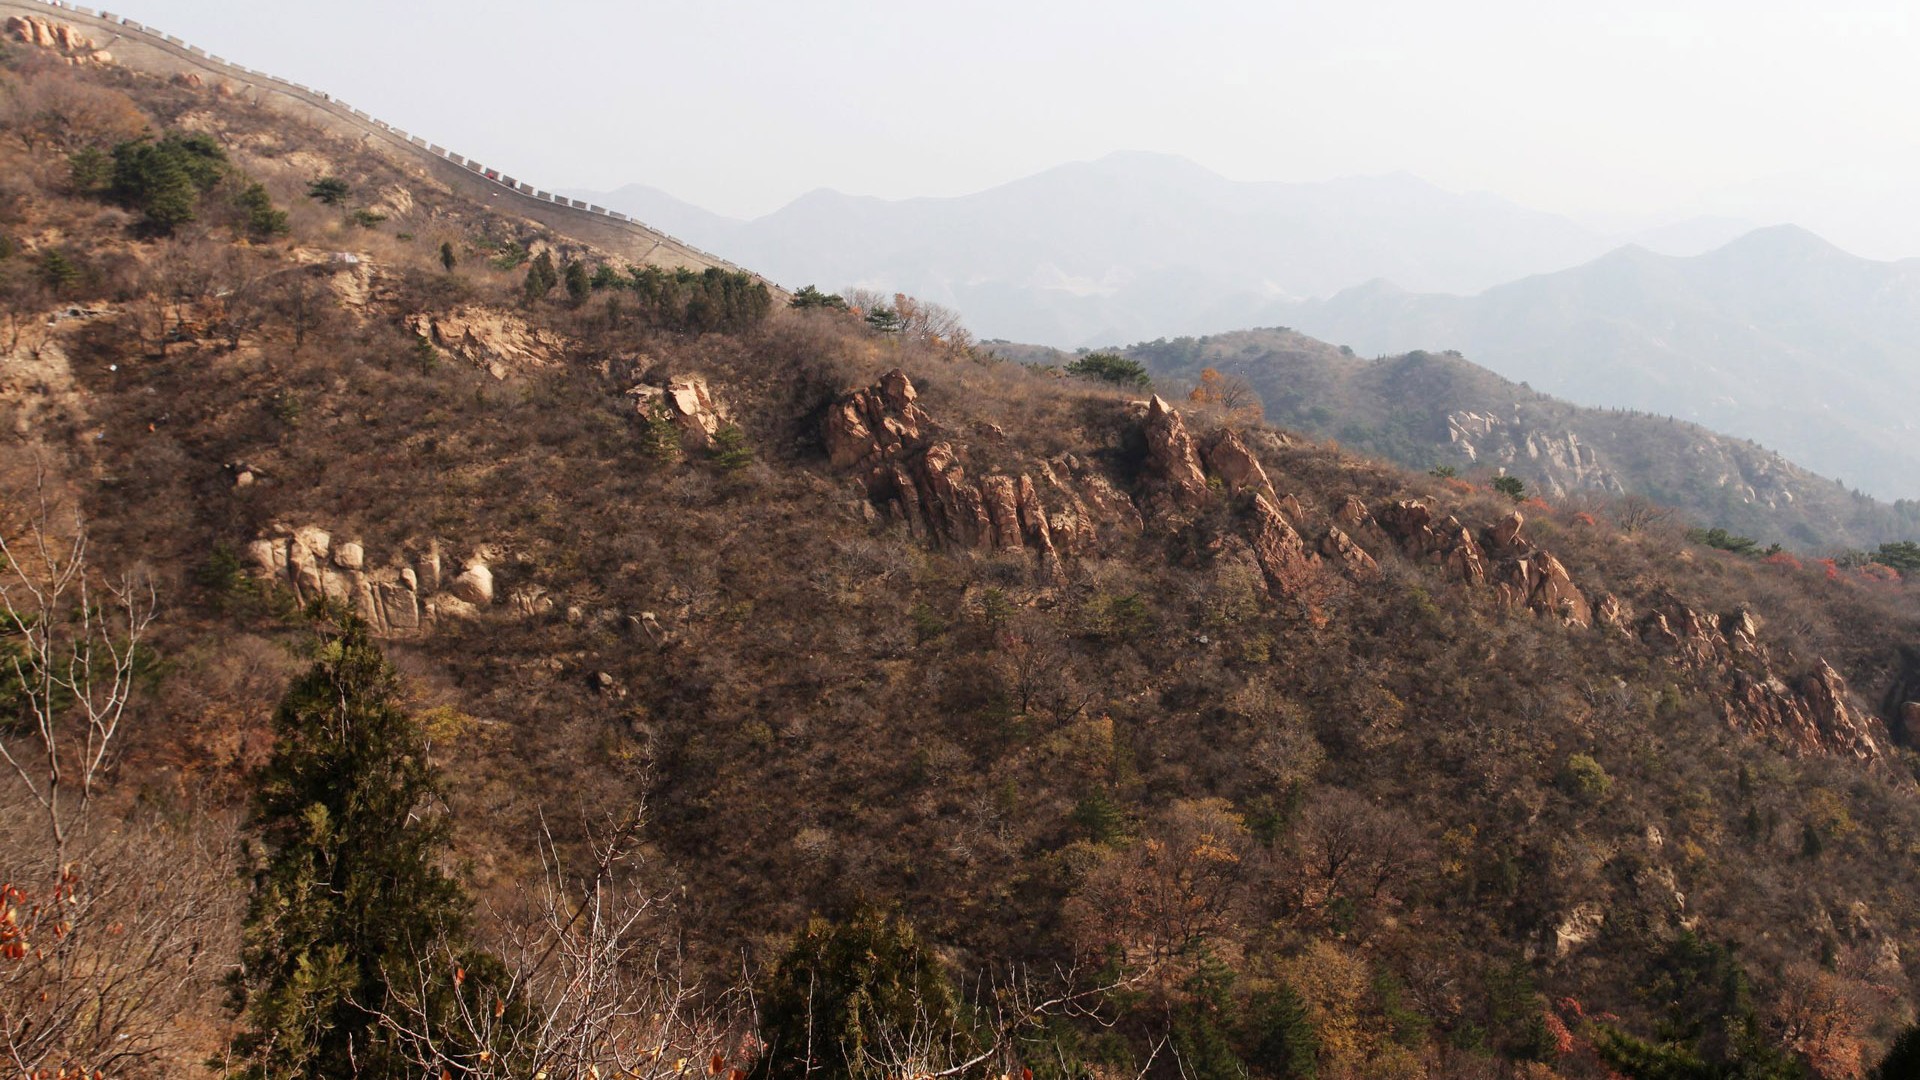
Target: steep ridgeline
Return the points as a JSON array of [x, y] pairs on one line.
[[914, 473], [102, 38], [1424, 410]]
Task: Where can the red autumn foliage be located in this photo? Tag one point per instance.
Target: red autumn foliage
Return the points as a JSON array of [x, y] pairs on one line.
[[1781, 558]]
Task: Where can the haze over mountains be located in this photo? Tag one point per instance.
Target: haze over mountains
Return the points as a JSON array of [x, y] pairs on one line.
[[1778, 336], [1140, 245], [1770, 334]]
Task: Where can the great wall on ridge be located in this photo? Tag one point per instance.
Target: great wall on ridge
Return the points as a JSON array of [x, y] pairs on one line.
[[146, 49]]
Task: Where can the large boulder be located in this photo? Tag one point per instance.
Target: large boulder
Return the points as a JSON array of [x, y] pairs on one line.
[[689, 403], [474, 585]]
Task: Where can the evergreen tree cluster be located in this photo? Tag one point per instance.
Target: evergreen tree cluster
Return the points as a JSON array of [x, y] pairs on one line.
[[165, 179], [699, 302], [350, 905]]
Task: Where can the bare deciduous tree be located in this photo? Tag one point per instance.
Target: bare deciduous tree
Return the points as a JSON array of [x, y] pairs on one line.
[[73, 639], [106, 934], [592, 985]]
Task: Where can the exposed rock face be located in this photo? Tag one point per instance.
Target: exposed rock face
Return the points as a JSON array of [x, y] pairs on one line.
[[500, 342], [47, 34], [1813, 714], [867, 426], [689, 403], [1558, 459], [475, 584], [1610, 613], [881, 433], [394, 599], [1580, 926], [1174, 479], [1836, 726], [1337, 547], [1539, 581], [1414, 526], [1283, 557], [1506, 533], [1353, 513], [1229, 459]]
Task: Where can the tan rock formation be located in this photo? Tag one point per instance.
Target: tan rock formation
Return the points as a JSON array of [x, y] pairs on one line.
[[1506, 532], [1338, 548], [1229, 459], [394, 598], [500, 342], [1414, 526], [1540, 582], [871, 425], [475, 584], [689, 403], [1353, 513], [882, 434], [63, 37], [1283, 557], [1174, 479]]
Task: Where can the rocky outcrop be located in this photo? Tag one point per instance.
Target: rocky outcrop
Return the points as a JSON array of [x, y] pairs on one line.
[[915, 476], [1579, 927], [1428, 537], [688, 403], [1283, 557], [1538, 581], [1173, 479], [1520, 574], [1338, 548], [47, 34], [1229, 459], [501, 343], [1353, 514], [868, 426], [1814, 714], [396, 598]]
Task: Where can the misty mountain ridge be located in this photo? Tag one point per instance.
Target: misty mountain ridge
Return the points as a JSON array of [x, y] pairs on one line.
[[1135, 245], [1779, 336]]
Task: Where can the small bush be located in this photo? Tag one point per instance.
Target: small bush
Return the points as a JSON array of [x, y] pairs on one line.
[[330, 190], [1585, 779]]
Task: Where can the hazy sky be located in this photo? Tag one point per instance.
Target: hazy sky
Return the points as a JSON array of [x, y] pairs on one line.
[[1623, 109]]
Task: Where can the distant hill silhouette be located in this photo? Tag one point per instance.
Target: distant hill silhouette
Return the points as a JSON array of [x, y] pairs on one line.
[[1134, 245], [1778, 336], [1425, 409]]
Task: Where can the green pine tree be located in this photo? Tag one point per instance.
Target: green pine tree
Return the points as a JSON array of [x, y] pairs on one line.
[[263, 221], [1284, 1042], [350, 894], [541, 277], [846, 989], [579, 282]]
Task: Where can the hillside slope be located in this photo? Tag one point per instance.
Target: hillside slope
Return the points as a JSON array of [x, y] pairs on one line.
[[1426, 410], [1778, 336], [100, 37], [1178, 738]]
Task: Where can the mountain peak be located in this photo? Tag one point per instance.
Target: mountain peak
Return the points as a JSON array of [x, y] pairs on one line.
[[1780, 242]]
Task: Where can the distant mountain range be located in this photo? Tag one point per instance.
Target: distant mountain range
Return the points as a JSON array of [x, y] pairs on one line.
[[1139, 245], [1425, 410], [1778, 336], [1772, 334]]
